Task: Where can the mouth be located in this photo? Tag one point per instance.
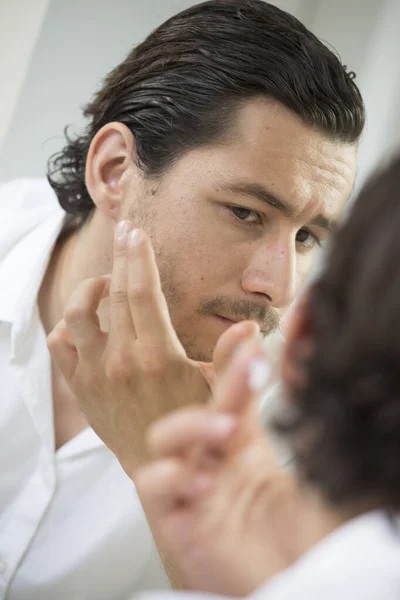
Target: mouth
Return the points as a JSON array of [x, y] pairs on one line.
[[228, 321], [225, 320]]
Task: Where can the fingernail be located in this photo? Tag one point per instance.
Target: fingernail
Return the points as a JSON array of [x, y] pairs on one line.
[[259, 374], [223, 425], [122, 230], [134, 237]]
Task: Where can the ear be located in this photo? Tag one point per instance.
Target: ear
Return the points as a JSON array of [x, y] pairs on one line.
[[300, 344], [111, 167]]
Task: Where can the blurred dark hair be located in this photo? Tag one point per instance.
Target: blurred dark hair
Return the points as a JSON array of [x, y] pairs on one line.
[[348, 426], [181, 87]]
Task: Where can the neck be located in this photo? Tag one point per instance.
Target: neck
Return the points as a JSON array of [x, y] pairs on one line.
[[82, 254], [53, 291], [319, 518]]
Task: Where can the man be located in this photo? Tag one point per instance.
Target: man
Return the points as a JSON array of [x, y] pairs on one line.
[[228, 513], [229, 136]]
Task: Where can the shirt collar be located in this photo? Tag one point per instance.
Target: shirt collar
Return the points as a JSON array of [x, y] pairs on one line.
[[30, 234]]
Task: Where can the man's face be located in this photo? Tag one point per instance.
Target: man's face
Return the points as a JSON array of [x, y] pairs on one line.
[[236, 226]]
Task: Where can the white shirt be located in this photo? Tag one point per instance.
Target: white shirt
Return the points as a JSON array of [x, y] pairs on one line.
[[358, 561], [71, 525]]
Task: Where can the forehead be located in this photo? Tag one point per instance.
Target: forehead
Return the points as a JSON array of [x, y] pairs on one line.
[[270, 146]]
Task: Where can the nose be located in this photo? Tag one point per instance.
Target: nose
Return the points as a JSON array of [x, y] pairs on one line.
[[271, 272]]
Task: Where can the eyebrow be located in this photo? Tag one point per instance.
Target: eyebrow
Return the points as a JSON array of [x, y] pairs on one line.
[[259, 192]]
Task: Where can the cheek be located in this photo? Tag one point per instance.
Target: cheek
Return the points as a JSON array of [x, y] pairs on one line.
[[194, 271], [197, 255]]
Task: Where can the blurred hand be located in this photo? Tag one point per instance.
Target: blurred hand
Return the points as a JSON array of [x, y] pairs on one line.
[[215, 495]]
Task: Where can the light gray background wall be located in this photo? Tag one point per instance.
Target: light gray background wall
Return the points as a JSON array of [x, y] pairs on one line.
[[80, 40], [19, 27]]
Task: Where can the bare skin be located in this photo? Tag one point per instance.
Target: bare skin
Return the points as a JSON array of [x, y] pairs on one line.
[[216, 497], [235, 228], [125, 378], [223, 254], [120, 376]]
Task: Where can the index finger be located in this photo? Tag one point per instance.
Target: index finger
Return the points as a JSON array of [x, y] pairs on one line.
[[121, 319], [247, 374], [186, 429], [147, 302]]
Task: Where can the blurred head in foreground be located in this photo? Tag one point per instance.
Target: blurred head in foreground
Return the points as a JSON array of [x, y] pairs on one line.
[[342, 362]]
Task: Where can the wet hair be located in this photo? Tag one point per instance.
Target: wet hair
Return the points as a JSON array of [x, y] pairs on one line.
[[347, 430], [181, 88]]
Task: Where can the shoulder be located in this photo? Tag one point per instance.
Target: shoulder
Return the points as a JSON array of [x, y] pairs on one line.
[[27, 193], [337, 566], [25, 204]]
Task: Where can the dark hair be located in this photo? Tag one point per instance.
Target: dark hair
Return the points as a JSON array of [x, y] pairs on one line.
[[348, 425], [179, 88]]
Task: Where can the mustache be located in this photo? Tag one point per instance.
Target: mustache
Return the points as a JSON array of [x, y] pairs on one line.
[[266, 316]]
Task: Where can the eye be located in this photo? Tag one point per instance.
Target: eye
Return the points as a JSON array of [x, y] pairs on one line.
[[245, 214], [307, 239]]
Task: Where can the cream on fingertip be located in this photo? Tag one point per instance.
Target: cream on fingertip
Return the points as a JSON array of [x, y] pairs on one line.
[[134, 237], [122, 230], [259, 373]]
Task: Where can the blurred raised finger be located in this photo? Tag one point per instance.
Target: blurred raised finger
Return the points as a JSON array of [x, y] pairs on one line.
[[246, 376], [164, 484], [180, 432], [229, 341]]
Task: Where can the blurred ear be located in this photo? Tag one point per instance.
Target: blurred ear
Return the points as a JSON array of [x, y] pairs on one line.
[[111, 168], [300, 344]]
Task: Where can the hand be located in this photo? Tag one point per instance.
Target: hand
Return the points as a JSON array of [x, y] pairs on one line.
[[218, 501], [139, 371]]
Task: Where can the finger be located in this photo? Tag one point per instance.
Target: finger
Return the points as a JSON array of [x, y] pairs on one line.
[[164, 484], [247, 374], [226, 347], [81, 318], [121, 325], [147, 302], [180, 432], [230, 340], [62, 351]]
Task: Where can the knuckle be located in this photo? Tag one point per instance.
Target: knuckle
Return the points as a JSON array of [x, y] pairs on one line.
[[80, 303], [120, 367], [143, 293], [118, 295], [74, 313], [170, 469], [55, 338], [153, 362], [139, 293]]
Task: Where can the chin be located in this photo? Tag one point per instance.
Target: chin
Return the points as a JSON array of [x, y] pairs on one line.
[[200, 342], [198, 352]]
